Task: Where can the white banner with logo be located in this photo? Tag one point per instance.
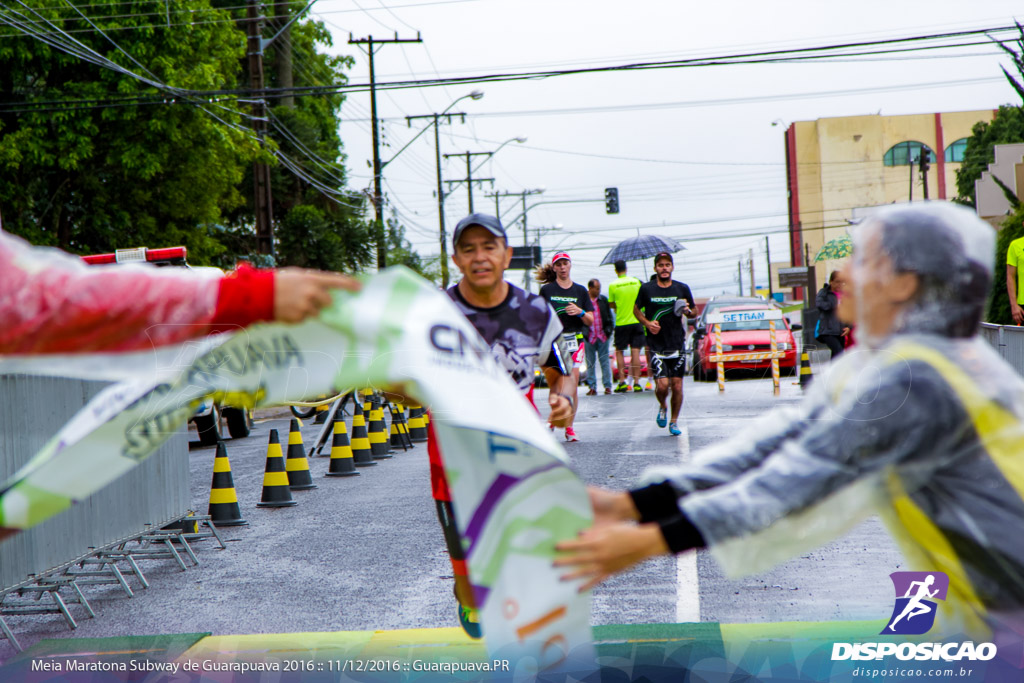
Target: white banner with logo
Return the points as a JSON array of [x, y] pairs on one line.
[[513, 493]]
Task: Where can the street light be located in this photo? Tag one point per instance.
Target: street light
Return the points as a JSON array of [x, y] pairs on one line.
[[520, 140], [476, 95]]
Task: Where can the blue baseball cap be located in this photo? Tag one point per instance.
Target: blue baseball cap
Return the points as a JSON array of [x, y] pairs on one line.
[[487, 221]]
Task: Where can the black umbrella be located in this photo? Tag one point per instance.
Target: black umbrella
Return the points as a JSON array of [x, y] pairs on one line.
[[641, 247]]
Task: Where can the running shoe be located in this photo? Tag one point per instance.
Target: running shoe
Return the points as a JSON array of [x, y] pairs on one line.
[[673, 429], [469, 619], [592, 392], [623, 387], [607, 391], [649, 387], [662, 418], [570, 434], [637, 388]]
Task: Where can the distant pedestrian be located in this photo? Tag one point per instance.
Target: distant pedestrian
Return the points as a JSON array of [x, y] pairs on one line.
[[830, 329], [1015, 279], [629, 333], [596, 342], [660, 307], [571, 302]]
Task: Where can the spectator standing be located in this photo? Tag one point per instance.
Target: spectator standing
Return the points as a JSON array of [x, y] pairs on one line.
[[1015, 279], [571, 302], [660, 307], [830, 329], [629, 333], [597, 340]]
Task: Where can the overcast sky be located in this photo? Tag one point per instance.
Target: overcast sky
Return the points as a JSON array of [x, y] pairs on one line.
[[693, 151]]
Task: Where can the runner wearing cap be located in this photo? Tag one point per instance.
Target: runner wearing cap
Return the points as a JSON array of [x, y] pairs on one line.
[[660, 305], [571, 302], [521, 330]]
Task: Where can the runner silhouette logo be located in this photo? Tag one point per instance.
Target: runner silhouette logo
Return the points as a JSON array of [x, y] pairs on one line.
[[916, 595]]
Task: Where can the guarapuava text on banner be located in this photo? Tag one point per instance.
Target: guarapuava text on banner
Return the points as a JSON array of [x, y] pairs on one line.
[[513, 494]]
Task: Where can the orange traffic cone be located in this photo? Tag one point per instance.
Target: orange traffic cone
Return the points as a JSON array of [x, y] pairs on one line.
[[361, 454], [297, 465], [342, 463], [276, 493], [223, 508]]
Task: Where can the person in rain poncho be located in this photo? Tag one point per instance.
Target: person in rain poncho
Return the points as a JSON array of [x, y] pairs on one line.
[[923, 424]]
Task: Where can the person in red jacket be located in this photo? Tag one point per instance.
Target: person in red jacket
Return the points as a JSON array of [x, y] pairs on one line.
[[52, 302]]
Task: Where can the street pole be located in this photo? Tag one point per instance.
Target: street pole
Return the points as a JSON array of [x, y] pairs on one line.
[[440, 205], [739, 274], [378, 194], [469, 174], [768, 262], [750, 260], [262, 191]]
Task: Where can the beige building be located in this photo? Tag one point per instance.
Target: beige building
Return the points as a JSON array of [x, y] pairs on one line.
[[840, 169], [1008, 168]]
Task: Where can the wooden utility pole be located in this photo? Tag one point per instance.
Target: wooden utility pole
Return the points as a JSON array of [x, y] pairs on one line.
[[283, 56], [262, 199], [378, 194], [469, 179], [750, 262]]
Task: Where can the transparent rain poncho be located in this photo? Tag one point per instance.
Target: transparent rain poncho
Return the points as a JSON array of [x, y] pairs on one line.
[[923, 425], [52, 302]]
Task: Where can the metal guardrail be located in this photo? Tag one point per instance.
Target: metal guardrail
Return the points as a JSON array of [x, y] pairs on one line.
[[1008, 340], [32, 409]]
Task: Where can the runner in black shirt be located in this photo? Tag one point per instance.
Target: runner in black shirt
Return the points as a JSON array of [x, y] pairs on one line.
[[660, 305], [571, 302]]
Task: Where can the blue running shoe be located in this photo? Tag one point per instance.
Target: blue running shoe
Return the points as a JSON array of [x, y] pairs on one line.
[[662, 417], [674, 430], [469, 619]]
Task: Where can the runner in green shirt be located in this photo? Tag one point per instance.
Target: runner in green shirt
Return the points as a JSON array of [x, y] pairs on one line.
[[1015, 279], [628, 330]]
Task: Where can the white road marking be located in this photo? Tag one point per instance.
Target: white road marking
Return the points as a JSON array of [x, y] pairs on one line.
[[687, 589]]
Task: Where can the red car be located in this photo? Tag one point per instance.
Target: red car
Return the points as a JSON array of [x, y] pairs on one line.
[[751, 336]]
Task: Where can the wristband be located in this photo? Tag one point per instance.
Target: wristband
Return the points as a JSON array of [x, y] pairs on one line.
[[582, 313]]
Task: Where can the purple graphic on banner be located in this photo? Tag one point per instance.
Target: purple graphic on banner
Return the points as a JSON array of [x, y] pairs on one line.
[[915, 608]]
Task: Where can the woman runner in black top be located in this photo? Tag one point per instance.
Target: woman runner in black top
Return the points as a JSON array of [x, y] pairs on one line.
[[571, 302]]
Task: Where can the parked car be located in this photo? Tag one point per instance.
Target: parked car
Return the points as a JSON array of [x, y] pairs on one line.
[[699, 323], [207, 418], [750, 336]]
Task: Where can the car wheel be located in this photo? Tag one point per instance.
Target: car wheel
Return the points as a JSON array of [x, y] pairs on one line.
[[238, 422], [302, 413], [208, 428]]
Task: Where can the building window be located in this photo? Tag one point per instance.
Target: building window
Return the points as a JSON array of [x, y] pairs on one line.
[[905, 153], [955, 152]]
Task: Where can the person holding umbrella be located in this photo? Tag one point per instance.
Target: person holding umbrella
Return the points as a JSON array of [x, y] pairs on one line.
[[659, 307]]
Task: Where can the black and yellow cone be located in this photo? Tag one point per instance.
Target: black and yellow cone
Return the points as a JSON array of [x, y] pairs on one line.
[[403, 426], [417, 425], [426, 417], [223, 508], [395, 435], [276, 493], [299, 478], [378, 432], [342, 463], [321, 413], [361, 454], [805, 368]]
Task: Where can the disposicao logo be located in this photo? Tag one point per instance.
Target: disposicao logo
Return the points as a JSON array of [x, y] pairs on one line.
[[914, 614], [916, 593]]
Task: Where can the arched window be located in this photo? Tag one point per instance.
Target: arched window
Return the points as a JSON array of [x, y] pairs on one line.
[[955, 152], [905, 153]]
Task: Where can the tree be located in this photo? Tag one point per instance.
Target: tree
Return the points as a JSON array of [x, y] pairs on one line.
[[1006, 127], [400, 252], [93, 158], [998, 308]]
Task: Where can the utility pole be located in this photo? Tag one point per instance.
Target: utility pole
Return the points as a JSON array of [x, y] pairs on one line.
[[262, 197], [739, 274], [469, 180], [440, 184], [750, 261], [768, 262], [913, 162], [283, 55], [378, 194]]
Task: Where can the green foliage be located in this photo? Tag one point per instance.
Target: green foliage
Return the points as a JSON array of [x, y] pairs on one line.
[[998, 308], [310, 238], [95, 178], [1006, 127], [400, 252]]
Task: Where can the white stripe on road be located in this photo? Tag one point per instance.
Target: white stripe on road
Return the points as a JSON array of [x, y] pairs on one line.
[[687, 589]]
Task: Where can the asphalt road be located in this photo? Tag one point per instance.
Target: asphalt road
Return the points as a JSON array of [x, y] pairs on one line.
[[366, 552]]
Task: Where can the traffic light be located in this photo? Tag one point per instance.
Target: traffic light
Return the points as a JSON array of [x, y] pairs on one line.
[[611, 200], [925, 159]]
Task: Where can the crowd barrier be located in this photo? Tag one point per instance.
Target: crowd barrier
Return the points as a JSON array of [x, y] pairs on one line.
[[1008, 340]]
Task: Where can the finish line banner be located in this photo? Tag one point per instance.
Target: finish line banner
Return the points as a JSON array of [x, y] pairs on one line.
[[513, 494]]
